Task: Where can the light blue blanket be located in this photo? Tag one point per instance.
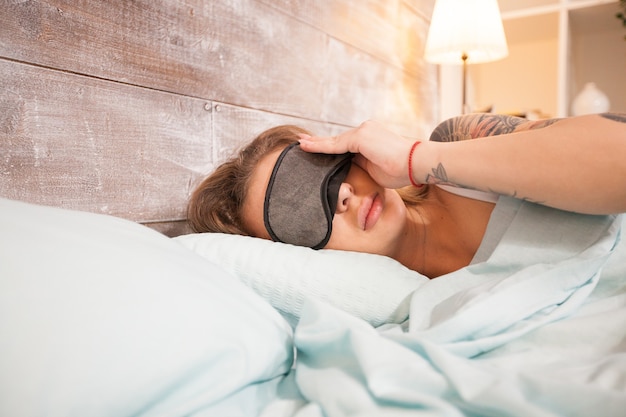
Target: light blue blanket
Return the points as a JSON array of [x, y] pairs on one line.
[[536, 327]]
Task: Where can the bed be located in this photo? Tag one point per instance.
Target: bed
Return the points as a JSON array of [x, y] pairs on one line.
[[101, 316], [111, 111]]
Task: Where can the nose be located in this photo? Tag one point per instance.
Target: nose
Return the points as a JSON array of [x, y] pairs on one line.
[[345, 194]]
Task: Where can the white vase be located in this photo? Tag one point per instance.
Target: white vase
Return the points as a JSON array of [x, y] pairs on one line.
[[590, 100]]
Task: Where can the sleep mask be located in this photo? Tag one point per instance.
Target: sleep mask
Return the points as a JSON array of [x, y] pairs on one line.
[[302, 195]]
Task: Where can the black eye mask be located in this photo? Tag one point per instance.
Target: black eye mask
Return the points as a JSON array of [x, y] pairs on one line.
[[302, 195]]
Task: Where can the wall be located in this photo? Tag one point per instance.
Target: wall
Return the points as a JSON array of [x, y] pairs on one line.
[[121, 107], [527, 79], [599, 56], [555, 47]]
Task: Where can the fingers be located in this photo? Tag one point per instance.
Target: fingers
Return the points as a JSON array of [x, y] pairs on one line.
[[323, 144], [350, 140], [379, 152]]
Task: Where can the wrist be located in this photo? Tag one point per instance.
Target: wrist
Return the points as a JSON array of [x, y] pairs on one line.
[[425, 163], [411, 165]]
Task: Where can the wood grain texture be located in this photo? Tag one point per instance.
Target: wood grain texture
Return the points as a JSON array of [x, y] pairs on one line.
[[121, 107], [222, 50], [242, 52], [77, 142], [171, 228], [99, 146], [391, 30]]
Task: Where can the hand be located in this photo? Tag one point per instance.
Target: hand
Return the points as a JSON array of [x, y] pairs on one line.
[[383, 154]]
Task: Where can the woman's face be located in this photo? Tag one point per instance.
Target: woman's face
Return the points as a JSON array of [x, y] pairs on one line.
[[368, 218]]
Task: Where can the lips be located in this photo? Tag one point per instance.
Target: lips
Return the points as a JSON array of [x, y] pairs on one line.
[[370, 211]]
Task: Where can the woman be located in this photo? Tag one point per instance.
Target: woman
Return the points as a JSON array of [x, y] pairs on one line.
[[576, 164]]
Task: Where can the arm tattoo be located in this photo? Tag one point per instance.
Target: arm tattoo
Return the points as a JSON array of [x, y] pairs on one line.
[[537, 124], [475, 126], [438, 176], [478, 125], [616, 117]]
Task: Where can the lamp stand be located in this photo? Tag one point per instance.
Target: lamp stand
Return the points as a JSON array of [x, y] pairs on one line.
[[464, 109]]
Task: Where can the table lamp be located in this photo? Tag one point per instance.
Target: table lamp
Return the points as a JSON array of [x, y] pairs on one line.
[[465, 32]]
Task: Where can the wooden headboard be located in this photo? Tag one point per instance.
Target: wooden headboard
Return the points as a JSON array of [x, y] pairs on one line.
[[122, 106]]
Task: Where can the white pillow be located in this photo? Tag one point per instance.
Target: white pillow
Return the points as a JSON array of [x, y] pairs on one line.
[[104, 317], [373, 287]]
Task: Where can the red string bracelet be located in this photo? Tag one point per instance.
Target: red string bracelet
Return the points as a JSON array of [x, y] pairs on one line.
[[413, 183]]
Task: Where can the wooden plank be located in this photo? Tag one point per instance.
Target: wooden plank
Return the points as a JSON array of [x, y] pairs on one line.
[[242, 52], [226, 51], [423, 8], [235, 126], [150, 119], [386, 29], [76, 142], [93, 145], [407, 104], [171, 228]]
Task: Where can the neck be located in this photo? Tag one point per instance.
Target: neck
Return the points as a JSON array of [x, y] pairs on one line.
[[443, 233]]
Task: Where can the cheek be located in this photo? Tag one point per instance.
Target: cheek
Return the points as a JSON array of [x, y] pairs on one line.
[[342, 234], [346, 234], [396, 211]]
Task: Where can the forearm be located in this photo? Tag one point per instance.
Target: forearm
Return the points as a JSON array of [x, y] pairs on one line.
[[574, 164]]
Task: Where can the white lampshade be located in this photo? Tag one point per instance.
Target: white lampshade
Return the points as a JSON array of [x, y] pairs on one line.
[[471, 27]]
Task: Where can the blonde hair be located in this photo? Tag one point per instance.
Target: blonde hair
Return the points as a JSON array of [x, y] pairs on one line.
[[413, 196], [216, 205]]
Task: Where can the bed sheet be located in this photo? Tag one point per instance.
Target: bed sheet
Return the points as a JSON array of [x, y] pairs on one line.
[[538, 329]]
